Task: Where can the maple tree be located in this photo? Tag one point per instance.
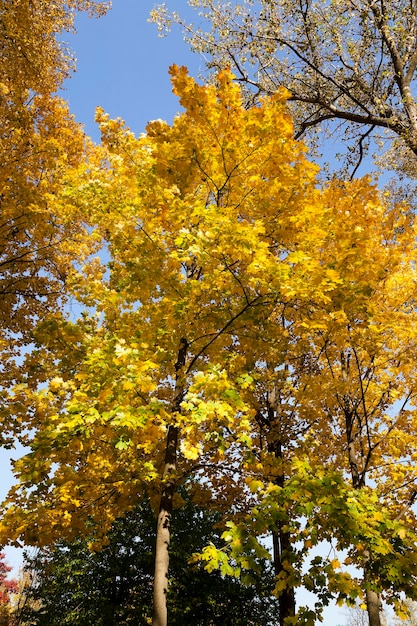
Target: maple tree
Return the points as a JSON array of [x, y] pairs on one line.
[[344, 62], [249, 329], [38, 140], [348, 385], [165, 270]]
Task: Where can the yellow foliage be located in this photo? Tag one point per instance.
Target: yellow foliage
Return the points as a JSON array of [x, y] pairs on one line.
[[39, 142], [241, 307]]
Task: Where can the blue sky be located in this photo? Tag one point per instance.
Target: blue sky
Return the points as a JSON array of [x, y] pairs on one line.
[[122, 66]]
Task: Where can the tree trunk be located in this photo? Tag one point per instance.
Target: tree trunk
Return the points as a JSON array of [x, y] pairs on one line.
[[160, 586], [281, 540], [282, 546], [373, 603], [373, 606]]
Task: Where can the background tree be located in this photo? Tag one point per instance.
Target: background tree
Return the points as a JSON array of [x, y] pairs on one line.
[[8, 587], [345, 63], [356, 616], [72, 585], [38, 140], [410, 616], [34, 58], [340, 382]]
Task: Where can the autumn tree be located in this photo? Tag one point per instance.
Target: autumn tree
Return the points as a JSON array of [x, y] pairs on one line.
[[7, 588], [199, 295], [362, 383], [410, 617], [38, 140], [33, 56], [219, 321], [347, 386], [345, 63]]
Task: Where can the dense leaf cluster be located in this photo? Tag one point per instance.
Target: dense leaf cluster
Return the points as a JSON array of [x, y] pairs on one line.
[[72, 585]]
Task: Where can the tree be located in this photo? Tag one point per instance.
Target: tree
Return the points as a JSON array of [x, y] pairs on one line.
[[33, 57], [72, 585], [38, 140], [344, 384], [233, 297], [200, 307], [357, 616], [7, 588], [409, 617], [350, 63]]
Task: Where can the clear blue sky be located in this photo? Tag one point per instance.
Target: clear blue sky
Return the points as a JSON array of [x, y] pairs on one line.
[[122, 66]]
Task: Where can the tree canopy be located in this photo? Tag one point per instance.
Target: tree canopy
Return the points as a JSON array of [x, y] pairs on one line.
[[243, 326], [34, 59]]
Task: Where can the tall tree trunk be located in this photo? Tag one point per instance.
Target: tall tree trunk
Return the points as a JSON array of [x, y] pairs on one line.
[[160, 586], [281, 540], [281, 548], [373, 602]]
